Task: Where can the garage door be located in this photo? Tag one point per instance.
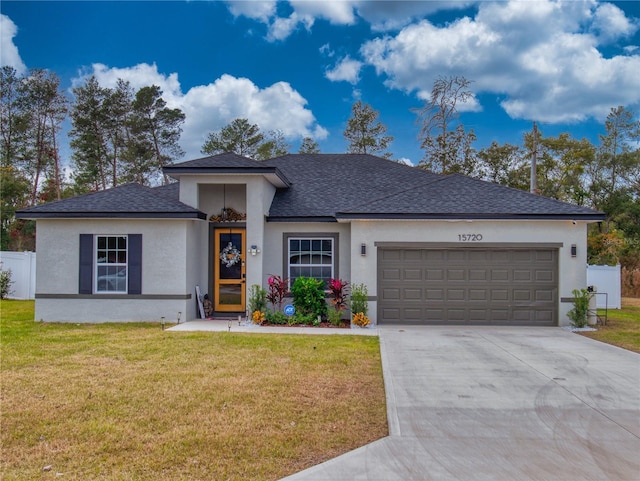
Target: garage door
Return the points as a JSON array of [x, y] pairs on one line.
[[468, 286]]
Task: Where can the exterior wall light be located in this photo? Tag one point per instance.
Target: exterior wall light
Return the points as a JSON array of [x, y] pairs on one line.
[[574, 250], [363, 249]]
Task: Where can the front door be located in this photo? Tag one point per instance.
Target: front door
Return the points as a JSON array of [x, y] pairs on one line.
[[229, 270]]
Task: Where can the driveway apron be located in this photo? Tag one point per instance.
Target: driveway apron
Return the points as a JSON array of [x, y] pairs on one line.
[[508, 403]]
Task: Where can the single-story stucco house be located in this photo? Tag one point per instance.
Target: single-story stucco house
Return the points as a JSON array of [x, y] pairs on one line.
[[431, 249]]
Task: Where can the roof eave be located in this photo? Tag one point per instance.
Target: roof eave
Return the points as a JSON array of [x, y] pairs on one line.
[[298, 219], [111, 215], [596, 217], [272, 174]]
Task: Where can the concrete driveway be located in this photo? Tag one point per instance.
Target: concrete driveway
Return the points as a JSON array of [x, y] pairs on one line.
[[501, 403]]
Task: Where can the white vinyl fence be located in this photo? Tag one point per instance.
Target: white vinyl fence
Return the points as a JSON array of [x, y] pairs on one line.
[[23, 273], [606, 280]]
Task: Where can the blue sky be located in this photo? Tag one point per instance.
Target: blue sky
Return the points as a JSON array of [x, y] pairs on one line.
[[298, 66]]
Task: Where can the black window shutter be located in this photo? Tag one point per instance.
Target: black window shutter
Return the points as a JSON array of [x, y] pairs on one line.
[[85, 275], [134, 263]]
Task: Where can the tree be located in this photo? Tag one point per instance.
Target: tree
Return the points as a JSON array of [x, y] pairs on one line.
[[504, 165], [155, 133], [89, 136], [274, 145], [32, 108], [44, 108], [365, 134], [615, 174], [309, 146], [118, 106], [14, 194], [239, 137], [616, 151], [561, 166], [13, 121], [448, 147]]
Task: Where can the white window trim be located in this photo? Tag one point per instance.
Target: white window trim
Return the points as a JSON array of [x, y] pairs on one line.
[[115, 264], [311, 237]]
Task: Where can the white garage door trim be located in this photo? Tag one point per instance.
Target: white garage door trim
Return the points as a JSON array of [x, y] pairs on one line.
[[477, 284]]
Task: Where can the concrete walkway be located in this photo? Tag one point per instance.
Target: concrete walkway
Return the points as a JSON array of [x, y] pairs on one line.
[[500, 404]]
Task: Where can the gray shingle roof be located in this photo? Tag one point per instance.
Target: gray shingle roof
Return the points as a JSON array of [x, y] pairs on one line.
[[327, 187], [323, 184], [350, 186], [457, 196], [219, 161], [126, 201], [227, 163]]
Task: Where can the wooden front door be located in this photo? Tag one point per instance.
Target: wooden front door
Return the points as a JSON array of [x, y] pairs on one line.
[[229, 270]]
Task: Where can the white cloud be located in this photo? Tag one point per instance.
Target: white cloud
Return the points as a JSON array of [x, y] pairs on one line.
[[347, 70], [382, 15], [393, 15], [138, 76], [326, 50], [405, 161], [256, 9], [610, 23], [281, 27], [337, 12], [9, 55], [541, 57], [210, 107]]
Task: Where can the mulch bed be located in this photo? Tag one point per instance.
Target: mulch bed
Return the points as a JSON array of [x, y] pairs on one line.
[[344, 325]]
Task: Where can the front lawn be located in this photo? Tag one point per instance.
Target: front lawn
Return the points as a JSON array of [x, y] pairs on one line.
[[133, 402], [623, 326]]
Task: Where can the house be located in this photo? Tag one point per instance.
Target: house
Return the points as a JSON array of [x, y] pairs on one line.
[[431, 249]]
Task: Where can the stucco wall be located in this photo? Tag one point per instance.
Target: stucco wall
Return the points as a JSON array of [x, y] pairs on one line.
[[274, 261], [250, 194], [164, 251], [572, 272], [259, 197]]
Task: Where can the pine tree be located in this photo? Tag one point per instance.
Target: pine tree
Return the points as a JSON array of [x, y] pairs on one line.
[[365, 134]]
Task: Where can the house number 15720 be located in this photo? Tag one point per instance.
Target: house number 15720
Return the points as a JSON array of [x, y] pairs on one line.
[[469, 237]]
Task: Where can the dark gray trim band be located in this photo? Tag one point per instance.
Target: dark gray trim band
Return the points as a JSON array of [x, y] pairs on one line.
[[154, 297]]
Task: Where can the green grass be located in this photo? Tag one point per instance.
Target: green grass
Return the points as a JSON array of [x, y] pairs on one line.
[[622, 328], [133, 402]]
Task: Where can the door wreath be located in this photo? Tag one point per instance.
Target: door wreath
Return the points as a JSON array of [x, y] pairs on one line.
[[230, 255]]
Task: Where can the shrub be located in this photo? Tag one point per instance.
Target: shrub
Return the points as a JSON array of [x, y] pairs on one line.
[[304, 319], [580, 312], [335, 316], [257, 299], [359, 299], [361, 320], [308, 297], [339, 291], [277, 291], [258, 317], [5, 283], [276, 317]]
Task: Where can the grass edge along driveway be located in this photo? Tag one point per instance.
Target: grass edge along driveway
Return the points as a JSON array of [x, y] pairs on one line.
[[130, 401], [623, 326]]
